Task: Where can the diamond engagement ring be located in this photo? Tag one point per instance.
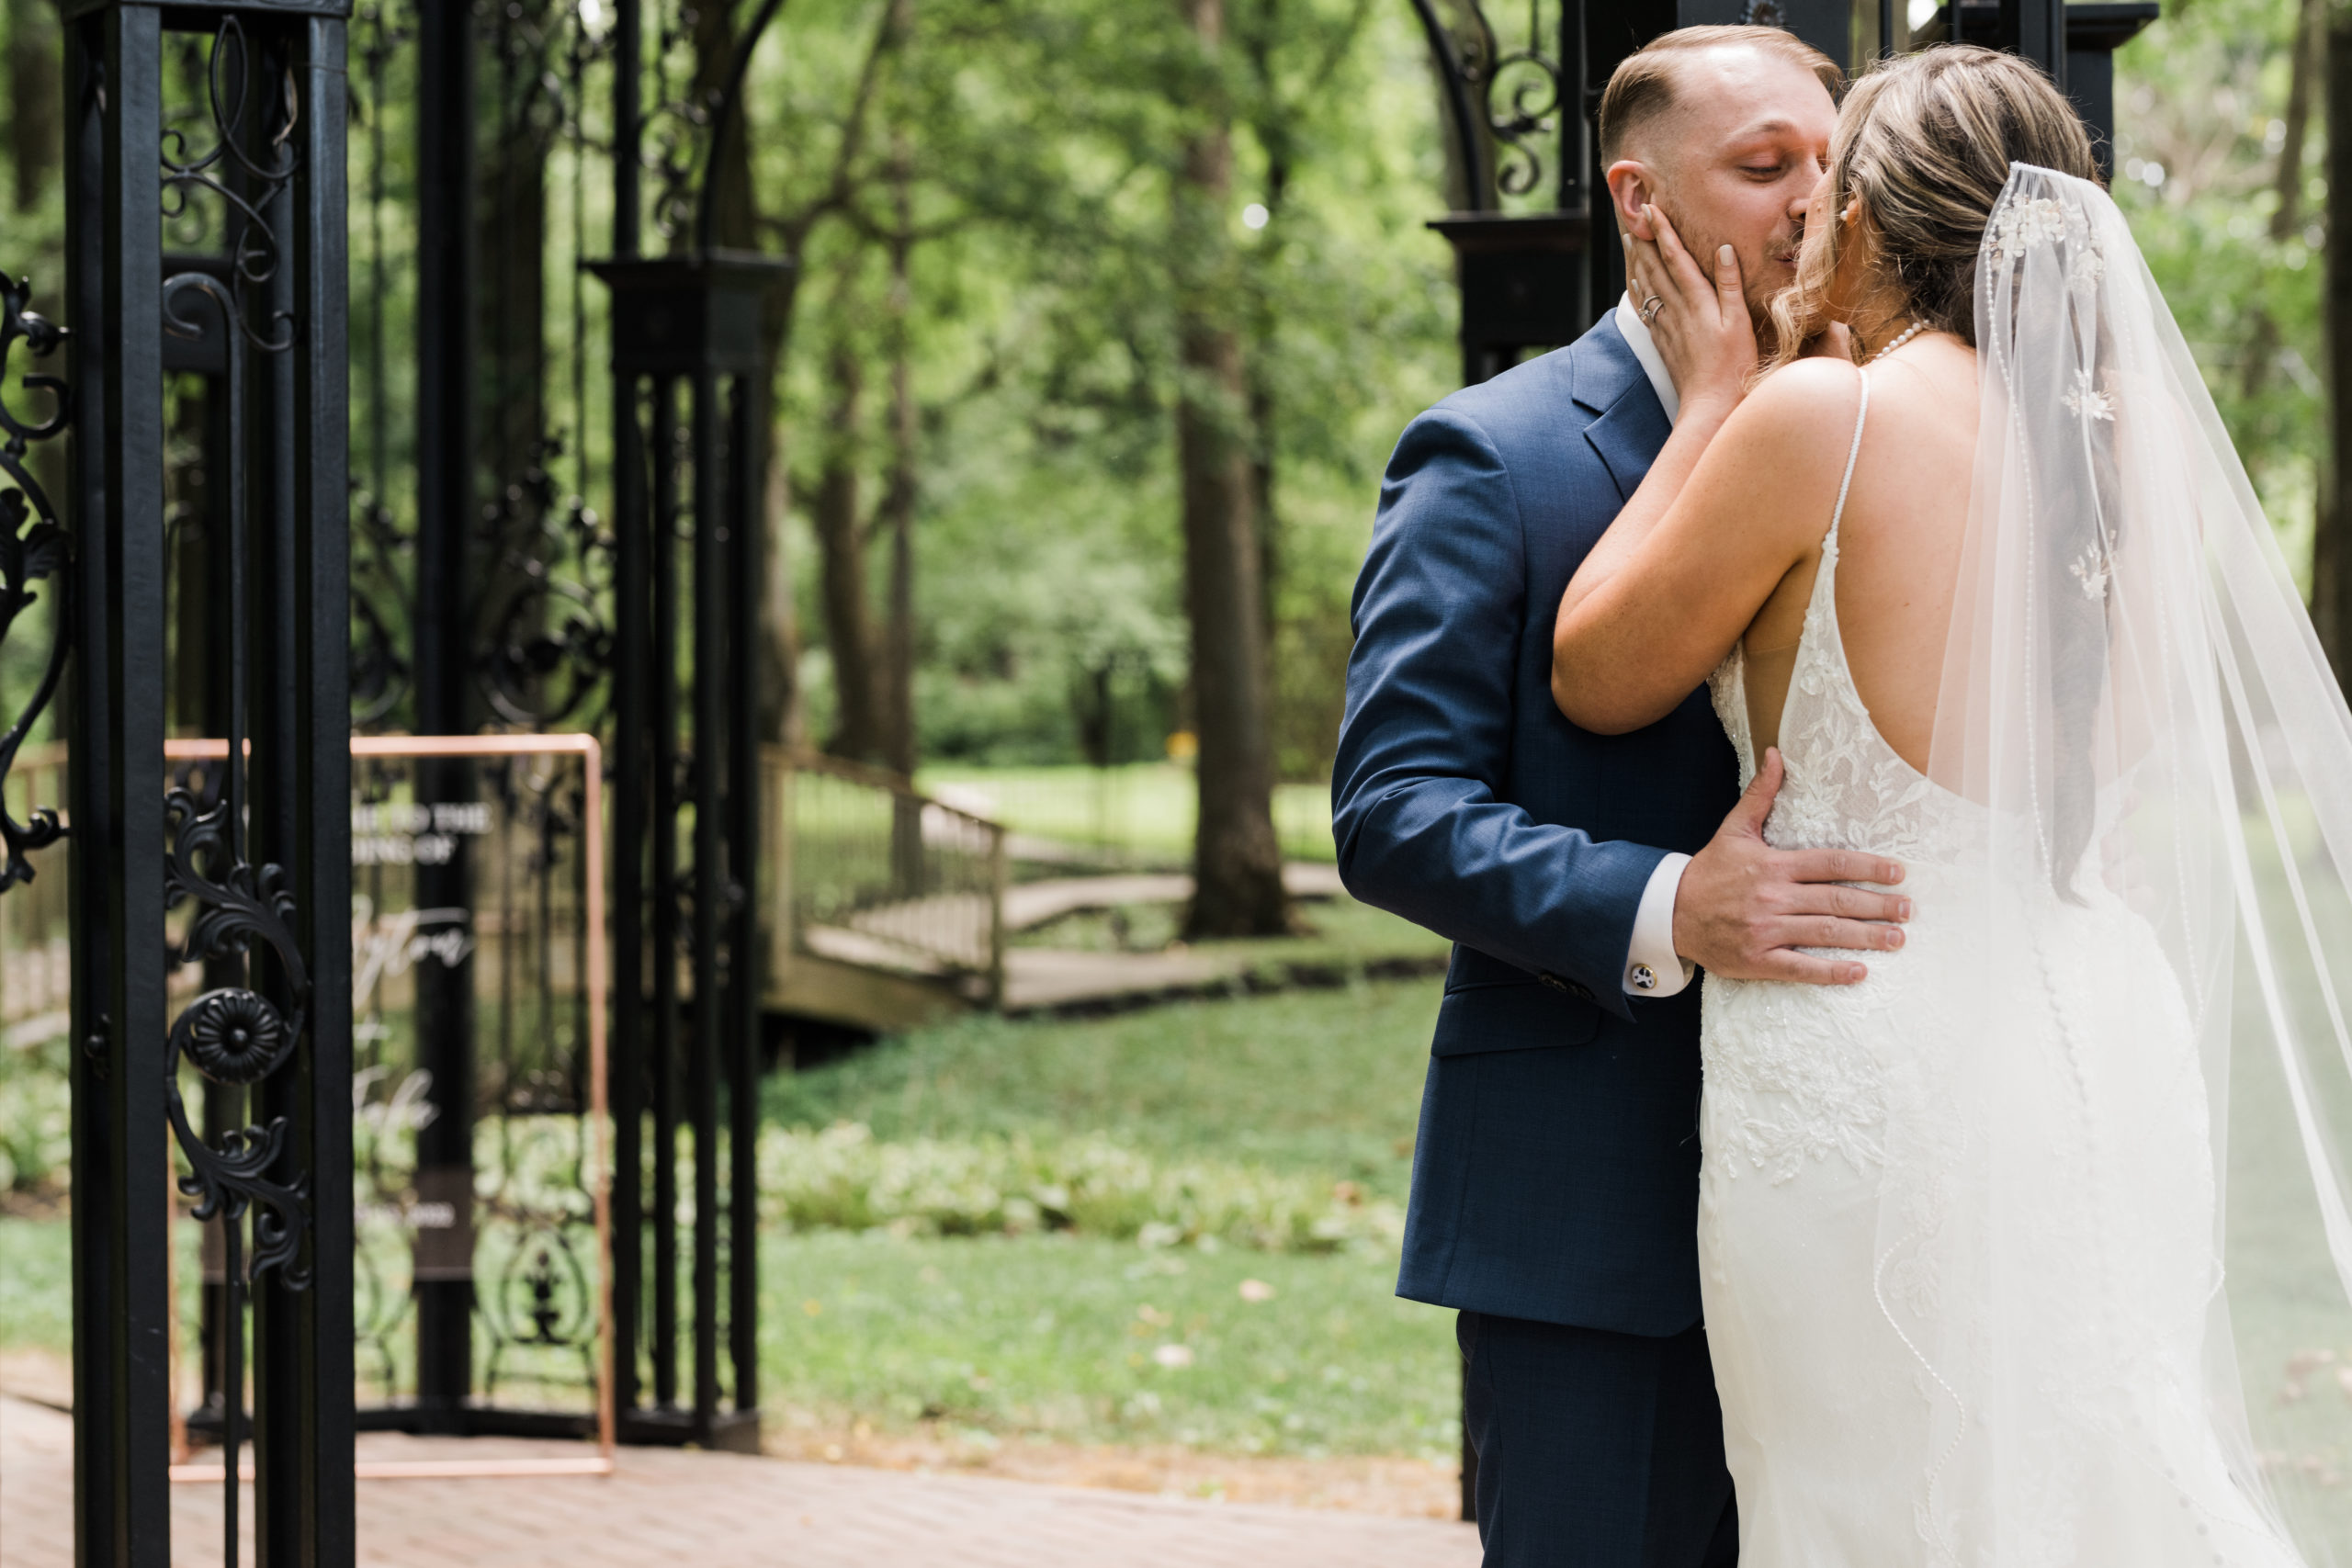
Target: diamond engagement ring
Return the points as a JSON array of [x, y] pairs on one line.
[[1650, 307]]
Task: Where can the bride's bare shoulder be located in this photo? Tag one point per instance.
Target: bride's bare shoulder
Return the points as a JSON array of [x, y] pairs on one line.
[[1795, 422], [1803, 398]]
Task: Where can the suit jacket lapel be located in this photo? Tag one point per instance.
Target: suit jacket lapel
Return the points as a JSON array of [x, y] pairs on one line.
[[1632, 425]]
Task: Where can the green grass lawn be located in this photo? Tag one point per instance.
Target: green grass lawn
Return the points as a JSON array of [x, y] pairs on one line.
[[36, 1285], [1071, 1336], [1316, 1082], [1090, 1342]]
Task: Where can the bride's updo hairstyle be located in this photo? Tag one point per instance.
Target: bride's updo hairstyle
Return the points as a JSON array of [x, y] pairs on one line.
[[1926, 141]]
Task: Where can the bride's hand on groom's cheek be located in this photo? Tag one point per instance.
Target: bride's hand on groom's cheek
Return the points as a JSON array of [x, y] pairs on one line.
[[1743, 908], [1700, 321]]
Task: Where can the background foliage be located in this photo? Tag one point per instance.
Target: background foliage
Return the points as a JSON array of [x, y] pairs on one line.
[[1028, 150], [2201, 112], [1041, 142]]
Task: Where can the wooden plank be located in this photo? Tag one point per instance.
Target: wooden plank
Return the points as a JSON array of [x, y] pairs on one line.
[[806, 986]]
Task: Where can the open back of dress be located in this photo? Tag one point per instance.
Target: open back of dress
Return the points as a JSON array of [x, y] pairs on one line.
[[1957, 1249]]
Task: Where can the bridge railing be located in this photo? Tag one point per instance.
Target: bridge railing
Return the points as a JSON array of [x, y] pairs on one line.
[[869, 871]]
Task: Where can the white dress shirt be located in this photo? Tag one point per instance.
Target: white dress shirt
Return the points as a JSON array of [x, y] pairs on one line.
[[1652, 966]]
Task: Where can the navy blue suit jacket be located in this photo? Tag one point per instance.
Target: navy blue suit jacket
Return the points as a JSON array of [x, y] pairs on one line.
[[1556, 1175]]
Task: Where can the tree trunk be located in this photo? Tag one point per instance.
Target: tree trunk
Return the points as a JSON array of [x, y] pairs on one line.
[[35, 115], [849, 624], [777, 666], [898, 740], [2303, 66], [2331, 552], [735, 225], [735, 206], [1262, 393], [1236, 859]]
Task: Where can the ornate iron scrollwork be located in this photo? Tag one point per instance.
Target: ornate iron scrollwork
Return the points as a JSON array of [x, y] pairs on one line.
[[32, 547], [545, 645], [381, 671], [1517, 97], [1521, 91], [255, 251], [235, 1036]]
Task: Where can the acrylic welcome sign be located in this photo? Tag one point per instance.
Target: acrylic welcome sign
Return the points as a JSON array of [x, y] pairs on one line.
[[481, 1265]]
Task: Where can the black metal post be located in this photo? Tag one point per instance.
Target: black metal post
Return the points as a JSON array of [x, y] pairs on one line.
[[684, 330], [662, 741], [2037, 30], [258, 859], [2094, 32], [747, 427], [711, 681], [443, 658], [301, 814], [629, 759], [1578, 191], [121, 1365]]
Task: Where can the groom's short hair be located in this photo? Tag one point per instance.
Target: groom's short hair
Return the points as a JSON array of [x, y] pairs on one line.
[[1641, 87]]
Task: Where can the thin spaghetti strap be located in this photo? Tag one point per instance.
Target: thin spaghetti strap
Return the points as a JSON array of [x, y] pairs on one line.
[[1852, 452]]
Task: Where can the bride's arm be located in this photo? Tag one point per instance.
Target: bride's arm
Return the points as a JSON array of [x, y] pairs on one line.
[[1657, 608], [1704, 332]]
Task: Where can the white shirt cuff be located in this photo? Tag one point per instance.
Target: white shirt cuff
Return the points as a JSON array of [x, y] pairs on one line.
[[1652, 966]]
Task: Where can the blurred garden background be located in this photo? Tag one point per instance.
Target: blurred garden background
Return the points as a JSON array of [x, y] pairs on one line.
[[1151, 1247]]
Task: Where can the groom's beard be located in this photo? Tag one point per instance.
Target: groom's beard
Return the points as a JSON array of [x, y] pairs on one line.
[[1762, 277]]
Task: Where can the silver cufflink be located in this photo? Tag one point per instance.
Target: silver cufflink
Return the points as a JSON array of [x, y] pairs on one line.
[[1644, 977]]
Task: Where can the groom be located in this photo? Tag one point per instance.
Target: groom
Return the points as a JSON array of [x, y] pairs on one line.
[[1555, 1179]]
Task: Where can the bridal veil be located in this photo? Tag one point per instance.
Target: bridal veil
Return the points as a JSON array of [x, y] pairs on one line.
[[2154, 763]]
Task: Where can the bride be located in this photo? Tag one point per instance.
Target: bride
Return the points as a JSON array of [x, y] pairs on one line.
[[1997, 597]]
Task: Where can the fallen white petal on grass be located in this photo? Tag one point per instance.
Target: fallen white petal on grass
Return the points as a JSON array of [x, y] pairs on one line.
[[1257, 1291], [1173, 1356]]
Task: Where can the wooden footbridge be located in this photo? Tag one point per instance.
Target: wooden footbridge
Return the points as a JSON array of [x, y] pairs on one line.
[[887, 908], [884, 908]]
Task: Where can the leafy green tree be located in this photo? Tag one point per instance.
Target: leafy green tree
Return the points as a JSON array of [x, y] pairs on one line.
[[2222, 184]]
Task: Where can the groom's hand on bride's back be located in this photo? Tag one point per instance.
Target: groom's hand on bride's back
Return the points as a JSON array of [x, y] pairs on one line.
[[1744, 908]]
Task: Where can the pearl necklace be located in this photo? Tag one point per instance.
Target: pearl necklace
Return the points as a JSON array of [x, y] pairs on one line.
[[1914, 330]]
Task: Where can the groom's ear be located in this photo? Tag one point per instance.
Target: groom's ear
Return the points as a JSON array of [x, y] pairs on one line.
[[1632, 187]]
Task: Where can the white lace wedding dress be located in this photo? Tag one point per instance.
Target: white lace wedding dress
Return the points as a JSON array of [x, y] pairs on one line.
[[1957, 1223]]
